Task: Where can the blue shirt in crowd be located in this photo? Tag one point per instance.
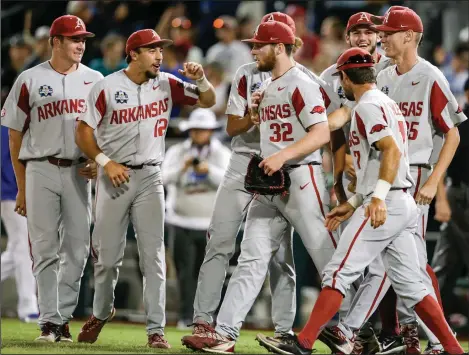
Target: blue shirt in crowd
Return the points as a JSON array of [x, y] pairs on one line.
[[9, 188]]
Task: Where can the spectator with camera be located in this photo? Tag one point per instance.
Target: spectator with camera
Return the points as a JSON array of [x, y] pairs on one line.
[[192, 171]]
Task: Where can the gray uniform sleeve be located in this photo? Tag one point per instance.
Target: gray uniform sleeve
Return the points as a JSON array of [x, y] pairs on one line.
[[96, 106], [237, 101], [374, 121], [16, 110], [308, 102]]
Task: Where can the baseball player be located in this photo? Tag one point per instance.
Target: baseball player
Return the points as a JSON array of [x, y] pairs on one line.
[[383, 215], [292, 108], [128, 112], [430, 109], [16, 259], [53, 190], [359, 34], [232, 201]]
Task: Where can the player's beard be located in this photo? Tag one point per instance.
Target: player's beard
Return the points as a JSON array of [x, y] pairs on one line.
[[269, 62], [349, 94], [150, 75]]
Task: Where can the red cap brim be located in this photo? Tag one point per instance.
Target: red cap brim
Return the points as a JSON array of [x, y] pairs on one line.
[[162, 42], [253, 40], [352, 65], [385, 28], [377, 20], [75, 34]]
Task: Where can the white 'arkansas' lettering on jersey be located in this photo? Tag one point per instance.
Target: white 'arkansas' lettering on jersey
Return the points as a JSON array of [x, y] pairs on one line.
[[291, 104], [425, 100], [45, 105], [131, 120], [374, 117], [247, 80]]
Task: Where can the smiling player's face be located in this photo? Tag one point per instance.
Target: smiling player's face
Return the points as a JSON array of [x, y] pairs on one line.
[[149, 61], [363, 37], [73, 48], [264, 55]]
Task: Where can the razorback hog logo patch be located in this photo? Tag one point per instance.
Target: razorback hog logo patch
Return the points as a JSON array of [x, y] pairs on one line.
[[318, 109], [377, 128]]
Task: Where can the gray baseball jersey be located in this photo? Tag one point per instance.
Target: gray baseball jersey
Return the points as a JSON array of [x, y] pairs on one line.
[[131, 120], [45, 104], [425, 99], [290, 104], [374, 117], [130, 124], [249, 79]]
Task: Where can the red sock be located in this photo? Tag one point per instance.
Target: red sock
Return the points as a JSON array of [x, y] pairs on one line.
[[327, 304], [432, 315], [388, 313], [435, 284]]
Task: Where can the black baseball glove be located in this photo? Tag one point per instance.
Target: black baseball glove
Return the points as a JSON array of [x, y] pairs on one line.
[[258, 182]]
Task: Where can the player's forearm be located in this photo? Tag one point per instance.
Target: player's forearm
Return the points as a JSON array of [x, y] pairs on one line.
[[237, 125], [16, 138], [207, 98], [339, 118], [389, 164], [85, 140], [446, 155], [441, 191], [317, 136], [339, 167]]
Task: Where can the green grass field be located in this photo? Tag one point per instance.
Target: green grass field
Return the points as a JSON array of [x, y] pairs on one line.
[[116, 338]]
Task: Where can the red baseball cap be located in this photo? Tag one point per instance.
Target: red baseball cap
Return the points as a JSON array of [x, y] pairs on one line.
[[378, 20], [69, 26], [144, 38], [272, 32], [280, 17], [359, 19], [295, 10], [401, 20], [354, 58]]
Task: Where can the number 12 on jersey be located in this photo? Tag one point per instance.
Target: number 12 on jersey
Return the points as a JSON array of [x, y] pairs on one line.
[[160, 127]]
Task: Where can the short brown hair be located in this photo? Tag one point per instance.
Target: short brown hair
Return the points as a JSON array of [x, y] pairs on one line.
[[363, 75], [51, 40]]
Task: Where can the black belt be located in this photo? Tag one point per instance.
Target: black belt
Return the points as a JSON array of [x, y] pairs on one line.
[[65, 162], [294, 166], [138, 167]]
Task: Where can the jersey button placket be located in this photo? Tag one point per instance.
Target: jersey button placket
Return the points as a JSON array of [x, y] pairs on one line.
[[64, 95]]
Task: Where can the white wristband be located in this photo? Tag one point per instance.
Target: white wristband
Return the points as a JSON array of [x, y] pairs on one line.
[[102, 159], [203, 84], [356, 200], [381, 190]]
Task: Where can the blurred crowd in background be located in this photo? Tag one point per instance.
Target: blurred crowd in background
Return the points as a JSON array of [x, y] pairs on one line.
[[209, 32]]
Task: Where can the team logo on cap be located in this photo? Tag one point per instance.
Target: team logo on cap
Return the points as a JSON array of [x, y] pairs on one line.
[[80, 25], [271, 18], [121, 97], [385, 89], [363, 17], [45, 91], [255, 86]]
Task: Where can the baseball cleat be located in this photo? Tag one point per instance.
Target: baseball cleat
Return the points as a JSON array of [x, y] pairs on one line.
[[336, 340], [158, 341], [90, 331], [65, 336], [284, 345], [392, 344], [366, 341], [272, 344], [210, 341], [410, 334], [50, 333], [433, 349]]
